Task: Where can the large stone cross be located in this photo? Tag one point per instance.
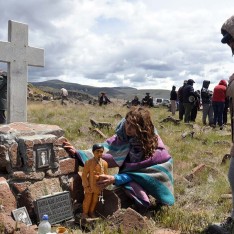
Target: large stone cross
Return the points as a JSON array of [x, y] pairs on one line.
[[18, 56]]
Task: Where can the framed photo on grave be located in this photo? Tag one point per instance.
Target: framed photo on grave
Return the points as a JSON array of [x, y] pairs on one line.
[[43, 155], [21, 215], [58, 207]]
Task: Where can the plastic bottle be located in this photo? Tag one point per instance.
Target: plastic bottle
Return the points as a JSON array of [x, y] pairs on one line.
[[44, 226]]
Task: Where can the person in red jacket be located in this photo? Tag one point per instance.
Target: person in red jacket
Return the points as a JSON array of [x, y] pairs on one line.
[[218, 102]]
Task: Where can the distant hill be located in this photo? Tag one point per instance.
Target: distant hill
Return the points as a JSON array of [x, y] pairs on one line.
[[126, 93]]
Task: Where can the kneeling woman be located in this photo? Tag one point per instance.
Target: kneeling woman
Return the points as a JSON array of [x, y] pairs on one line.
[[145, 166]]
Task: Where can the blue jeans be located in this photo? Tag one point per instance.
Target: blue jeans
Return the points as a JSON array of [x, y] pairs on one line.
[[218, 108]]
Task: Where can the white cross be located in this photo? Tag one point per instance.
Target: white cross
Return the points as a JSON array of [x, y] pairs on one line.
[[18, 56]]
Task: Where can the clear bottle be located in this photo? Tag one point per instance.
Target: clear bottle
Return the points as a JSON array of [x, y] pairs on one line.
[[44, 226]]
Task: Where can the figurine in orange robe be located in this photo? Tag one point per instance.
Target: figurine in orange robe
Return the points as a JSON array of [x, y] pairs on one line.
[[92, 169]]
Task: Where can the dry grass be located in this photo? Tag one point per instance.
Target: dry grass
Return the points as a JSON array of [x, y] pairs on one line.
[[198, 202]]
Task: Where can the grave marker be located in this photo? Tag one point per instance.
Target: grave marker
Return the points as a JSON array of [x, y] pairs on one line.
[[58, 207], [18, 56]]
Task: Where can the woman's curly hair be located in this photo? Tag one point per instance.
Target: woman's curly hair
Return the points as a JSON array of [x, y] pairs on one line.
[[140, 119]]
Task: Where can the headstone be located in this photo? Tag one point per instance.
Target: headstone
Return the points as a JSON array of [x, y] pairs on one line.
[[58, 207], [18, 56]]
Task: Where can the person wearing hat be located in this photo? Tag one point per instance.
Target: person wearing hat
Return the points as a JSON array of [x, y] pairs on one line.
[[227, 226], [147, 100], [103, 99], [207, 109], [188, 100], [3, 97]]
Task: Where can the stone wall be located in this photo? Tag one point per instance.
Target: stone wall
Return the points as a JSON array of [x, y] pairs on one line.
[[33, 164]]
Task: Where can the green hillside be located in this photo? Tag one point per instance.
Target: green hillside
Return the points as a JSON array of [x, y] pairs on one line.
[[126, 93]]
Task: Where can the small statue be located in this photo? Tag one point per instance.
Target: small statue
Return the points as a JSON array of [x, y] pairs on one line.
[[92, 169]]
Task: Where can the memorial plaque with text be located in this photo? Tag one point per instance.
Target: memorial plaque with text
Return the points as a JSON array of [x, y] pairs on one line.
[[58, 207]]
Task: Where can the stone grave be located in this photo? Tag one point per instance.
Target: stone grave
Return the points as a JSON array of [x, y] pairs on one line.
[[33, 162], [28, 178]]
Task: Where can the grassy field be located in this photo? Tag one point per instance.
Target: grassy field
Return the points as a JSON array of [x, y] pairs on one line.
[[198, 201]]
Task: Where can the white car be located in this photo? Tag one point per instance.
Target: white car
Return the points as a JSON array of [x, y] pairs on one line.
[[166, 102], [158, 101]]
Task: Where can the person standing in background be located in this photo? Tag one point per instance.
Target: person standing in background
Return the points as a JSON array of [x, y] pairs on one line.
[[3, 97], [64, 96], [196, 105], [180, 98], [173, 98], [103, 99], [207, 110], [218, 102], [188, 100]]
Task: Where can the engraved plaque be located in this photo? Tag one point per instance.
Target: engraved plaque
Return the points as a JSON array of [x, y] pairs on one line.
[[58, 207]]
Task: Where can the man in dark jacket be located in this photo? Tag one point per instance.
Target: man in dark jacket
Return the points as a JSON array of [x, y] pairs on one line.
[[3, 97], [207, 109], [180, 98], [147, 100], [135, 101], [103, 99], [196, 105], [188, 99]]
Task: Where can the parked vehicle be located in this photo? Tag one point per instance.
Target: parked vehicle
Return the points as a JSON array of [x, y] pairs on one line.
[[166, 102], [158, 101]]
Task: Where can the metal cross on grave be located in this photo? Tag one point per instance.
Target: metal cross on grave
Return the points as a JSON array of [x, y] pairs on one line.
[[18, 56]]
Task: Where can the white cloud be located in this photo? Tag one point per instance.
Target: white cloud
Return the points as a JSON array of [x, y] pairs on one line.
[[137, 43]]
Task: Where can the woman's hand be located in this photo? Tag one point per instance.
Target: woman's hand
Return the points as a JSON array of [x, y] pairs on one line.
[[105, 180], [69, 148]]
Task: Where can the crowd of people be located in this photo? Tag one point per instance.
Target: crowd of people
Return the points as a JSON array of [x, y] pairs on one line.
[[214, 103]]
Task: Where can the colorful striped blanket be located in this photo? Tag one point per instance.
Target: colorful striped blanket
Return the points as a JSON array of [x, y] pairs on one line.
[[153, 176]]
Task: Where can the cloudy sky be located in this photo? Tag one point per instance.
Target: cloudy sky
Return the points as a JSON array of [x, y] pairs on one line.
[[138, 43]]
